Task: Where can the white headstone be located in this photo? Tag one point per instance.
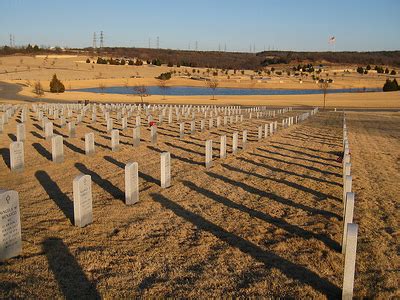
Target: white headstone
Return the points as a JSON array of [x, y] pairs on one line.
[[165, 169], [89, 143], [348, 217], [181, 130], [202, 125], [21, 132], [222, 149], [211, 123], [131, 183], [192, 127], [17, 161], [259, 133], [57, 149], [350, 261], [235, 141], [115, 140], [153, 134], [209, 153], [136, 136], [10, 225], [71, 129], [109, 125], [124, 123], [48, 130], [82, 189], [138, 121], [347, 186], [266, 130], [244, 139], [62, 121]]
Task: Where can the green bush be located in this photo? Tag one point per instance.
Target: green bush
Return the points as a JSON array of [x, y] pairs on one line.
[[156, 62], [164, 76], [101, 61], [360, 70], [393, 72], [391, 86], [56, 86], [386, 71]]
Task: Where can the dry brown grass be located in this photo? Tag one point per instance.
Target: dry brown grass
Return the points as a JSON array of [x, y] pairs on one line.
[[266, 222]]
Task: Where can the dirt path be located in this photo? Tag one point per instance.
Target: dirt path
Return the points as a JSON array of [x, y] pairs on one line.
[[266, 222]]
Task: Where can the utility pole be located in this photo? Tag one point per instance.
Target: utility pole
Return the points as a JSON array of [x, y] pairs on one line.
[[101, 40], [11, 41], [158, 42], [225, 47], [197, 46], [94, 41], [149, 42]]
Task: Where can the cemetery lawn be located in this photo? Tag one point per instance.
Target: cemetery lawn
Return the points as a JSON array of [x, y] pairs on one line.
[[266, 222]]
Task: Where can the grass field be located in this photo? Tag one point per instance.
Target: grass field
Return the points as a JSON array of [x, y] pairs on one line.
[[265, 222]]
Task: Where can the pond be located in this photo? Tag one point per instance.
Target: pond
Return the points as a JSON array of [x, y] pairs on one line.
[[198, 91]]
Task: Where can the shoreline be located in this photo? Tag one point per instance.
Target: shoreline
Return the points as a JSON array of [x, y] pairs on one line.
[[373, 100]]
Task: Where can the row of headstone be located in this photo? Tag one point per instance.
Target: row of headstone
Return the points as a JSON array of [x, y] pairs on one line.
[[269, 129], [17, 156], [350, 229]]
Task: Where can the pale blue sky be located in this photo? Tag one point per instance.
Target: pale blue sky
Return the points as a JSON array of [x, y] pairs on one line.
[[285, 25]]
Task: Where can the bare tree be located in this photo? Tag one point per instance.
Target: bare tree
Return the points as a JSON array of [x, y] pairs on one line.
[[212, 84], [324, 87], [38, 89], [141, 91], [162, 84], [102, 87]]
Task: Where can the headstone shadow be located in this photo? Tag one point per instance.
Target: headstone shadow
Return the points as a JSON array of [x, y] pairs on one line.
[[54, 192], [71, 279], [42, 151], [106, 185], [5, 154]]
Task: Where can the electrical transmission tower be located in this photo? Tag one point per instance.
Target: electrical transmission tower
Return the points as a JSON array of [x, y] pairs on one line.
[[158, 42], [11, 40], [197, 45], [94, 40], [101, 40]]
